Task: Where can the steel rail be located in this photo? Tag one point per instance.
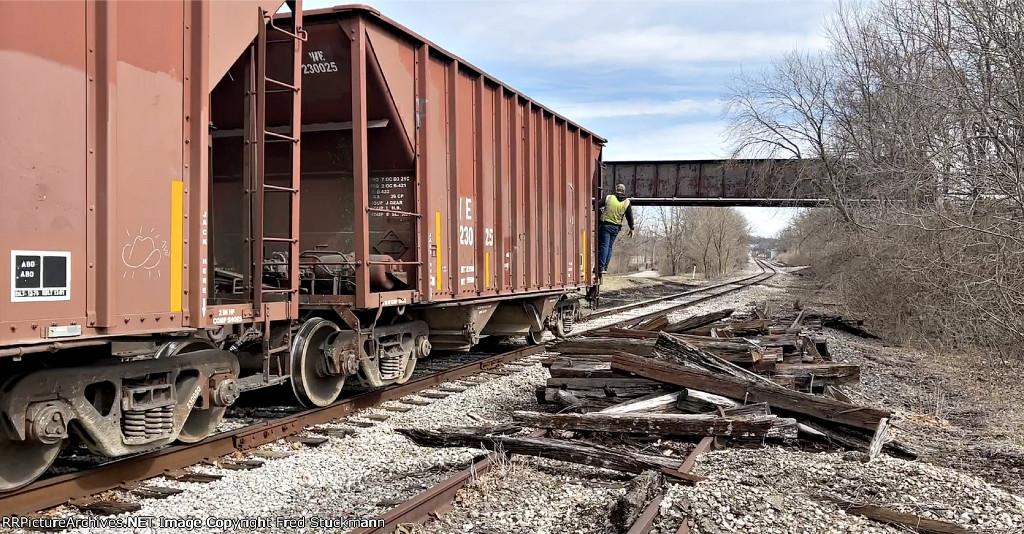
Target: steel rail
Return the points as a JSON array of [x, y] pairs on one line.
[[60, 489], [645, 521]]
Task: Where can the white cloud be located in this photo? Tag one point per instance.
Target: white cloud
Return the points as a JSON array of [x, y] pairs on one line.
[[664, 46], [638, 108], [696, 140], [608, 34]]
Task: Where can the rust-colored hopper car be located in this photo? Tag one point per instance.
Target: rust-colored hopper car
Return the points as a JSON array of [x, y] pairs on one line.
[[200, 198]]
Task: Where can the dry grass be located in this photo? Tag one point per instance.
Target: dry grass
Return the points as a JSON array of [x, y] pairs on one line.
[[618, 282], [958, 408]]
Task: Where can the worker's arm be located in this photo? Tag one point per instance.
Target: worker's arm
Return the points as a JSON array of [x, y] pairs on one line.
[[629, 219]]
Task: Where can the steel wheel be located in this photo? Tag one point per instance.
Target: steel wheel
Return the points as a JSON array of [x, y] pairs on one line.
[[23, 461], [312, 386], [535, 338], [558, 327], [200, 424]]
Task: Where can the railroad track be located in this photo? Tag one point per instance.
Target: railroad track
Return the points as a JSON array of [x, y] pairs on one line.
[[131, 471]]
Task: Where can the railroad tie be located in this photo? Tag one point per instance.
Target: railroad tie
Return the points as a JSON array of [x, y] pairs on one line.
[[309, 441], [272, 455], [185, 476], [359, 424], [339, 433], [151, 492], [234, 465], [332, 432], [104, 507]]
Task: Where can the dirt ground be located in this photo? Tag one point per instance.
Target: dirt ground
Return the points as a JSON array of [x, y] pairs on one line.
[[957, 409], [612, 283]]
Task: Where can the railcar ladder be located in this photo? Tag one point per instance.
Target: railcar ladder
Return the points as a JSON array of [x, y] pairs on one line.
[[263, 135]]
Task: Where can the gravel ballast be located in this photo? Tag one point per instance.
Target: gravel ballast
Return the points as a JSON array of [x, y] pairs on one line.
[[778, 490], [360, 476]]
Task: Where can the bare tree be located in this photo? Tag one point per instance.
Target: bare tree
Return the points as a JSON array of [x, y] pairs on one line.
[[630, 254], [715, 239], [674, 232], [913, 127], [729, 233]]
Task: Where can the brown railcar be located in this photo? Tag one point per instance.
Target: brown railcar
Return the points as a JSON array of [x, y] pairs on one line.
[[463, 191], [200, 198]]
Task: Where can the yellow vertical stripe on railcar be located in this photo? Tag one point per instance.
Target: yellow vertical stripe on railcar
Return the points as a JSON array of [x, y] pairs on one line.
[[437, 239], [584, 259], [487, 269], [177, 241]]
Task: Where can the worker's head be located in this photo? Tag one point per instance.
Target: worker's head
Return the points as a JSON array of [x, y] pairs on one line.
[[620, 189]]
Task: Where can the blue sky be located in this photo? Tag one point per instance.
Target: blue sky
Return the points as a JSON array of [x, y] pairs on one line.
[[649, 76]]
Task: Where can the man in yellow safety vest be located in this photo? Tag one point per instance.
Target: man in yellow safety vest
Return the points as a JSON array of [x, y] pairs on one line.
[[612, 207]]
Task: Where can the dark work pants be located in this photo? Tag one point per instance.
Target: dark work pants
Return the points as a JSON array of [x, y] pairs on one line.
[[606, 236]]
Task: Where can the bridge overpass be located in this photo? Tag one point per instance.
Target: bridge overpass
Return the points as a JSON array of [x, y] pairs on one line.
[[722, 182]]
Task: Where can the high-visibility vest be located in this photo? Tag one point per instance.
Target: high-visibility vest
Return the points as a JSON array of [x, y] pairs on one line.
[[614, 209]]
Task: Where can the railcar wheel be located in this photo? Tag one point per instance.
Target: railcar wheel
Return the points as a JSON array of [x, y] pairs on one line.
[[200, 422], [311, 384], [23, 461], [558, 327], [535, 338]]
